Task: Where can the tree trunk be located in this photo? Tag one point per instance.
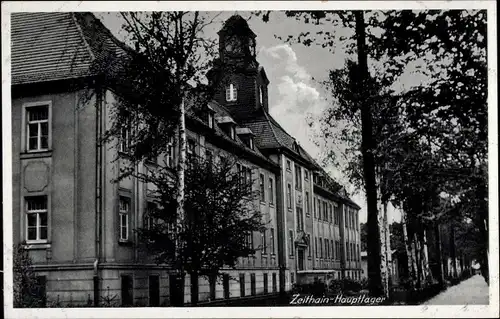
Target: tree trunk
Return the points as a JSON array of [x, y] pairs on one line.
[[409, 255], [417, 259], [437, 236], [367, 146], [384, 265], [482, 224], [181, 168], [194, 288], [425, 258], [452, 252]]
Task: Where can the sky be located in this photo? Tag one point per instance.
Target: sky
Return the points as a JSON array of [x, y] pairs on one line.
[[295, 71]]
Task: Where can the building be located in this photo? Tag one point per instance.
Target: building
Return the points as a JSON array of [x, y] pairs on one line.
[[78, 225]]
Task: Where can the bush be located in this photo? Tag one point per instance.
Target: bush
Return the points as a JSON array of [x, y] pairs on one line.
[[28, 293], [317, 288], [346, 285]]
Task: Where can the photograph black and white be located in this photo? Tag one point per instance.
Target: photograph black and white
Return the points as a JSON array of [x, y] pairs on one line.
[[250, 158]]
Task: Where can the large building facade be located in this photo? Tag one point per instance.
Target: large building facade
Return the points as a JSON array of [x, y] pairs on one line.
[[78, 225]]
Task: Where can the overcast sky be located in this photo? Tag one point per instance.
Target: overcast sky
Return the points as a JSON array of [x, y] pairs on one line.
[[294, 72]]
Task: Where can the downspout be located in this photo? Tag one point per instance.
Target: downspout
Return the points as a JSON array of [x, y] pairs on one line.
[[281, 224], [98, 194]]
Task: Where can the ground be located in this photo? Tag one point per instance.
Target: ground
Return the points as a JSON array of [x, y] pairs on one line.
[[473, 291]]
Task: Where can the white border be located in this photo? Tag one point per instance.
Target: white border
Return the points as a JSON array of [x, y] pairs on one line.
[[231, 312]]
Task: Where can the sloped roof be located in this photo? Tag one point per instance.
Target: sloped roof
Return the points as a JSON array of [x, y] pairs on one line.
[[221, 111], [48, 46]]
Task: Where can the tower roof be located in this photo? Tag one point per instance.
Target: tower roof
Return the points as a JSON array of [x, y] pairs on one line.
[[237, 25]]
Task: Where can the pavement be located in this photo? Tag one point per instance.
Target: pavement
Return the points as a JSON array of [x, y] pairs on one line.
[[473, 291]]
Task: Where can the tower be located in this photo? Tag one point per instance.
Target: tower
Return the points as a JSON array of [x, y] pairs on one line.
[[243, 83]]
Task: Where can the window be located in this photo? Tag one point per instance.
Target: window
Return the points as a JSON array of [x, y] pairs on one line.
[[232, 132], [347, 250], [271, 191], [37, 128], [336, 213], [307, 205], [332, 248], [210, 120], [266, 284], [264, 242], [191, 150], [319, 209], [330, 213], [357, 220], [337, 249], [289, 196], [242, 285], [37, 218], [272, 241], [288, 165], [306, 175], [169, 156], [325, 211], [250, 240], [357, 252], [125, 138], [320, 247], [127, 290], [154, 291], [315, 209], [290, 237], [124, 210], [309, 253], [327, 249], [300, 221], [245, 174], [261, 95], [316, 246], [149, 215], [298, 177], [231, 93], [262, 188]]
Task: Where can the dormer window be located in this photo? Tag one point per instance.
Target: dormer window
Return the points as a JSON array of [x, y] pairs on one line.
[[210, 119], [232, 132], [231, 93], [246, 135]]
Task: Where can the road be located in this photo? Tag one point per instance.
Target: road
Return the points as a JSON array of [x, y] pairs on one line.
[[473, 291]]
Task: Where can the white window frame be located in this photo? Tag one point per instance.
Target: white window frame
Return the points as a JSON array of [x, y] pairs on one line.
[[210, 120], [124, 141], [231, 93], [25, 135], [38, 224], [232, 131], [271, 191], [124, 213], [289, 196], [262, 187]]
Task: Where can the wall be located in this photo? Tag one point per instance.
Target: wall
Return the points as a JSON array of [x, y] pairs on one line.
[[64, 174]]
